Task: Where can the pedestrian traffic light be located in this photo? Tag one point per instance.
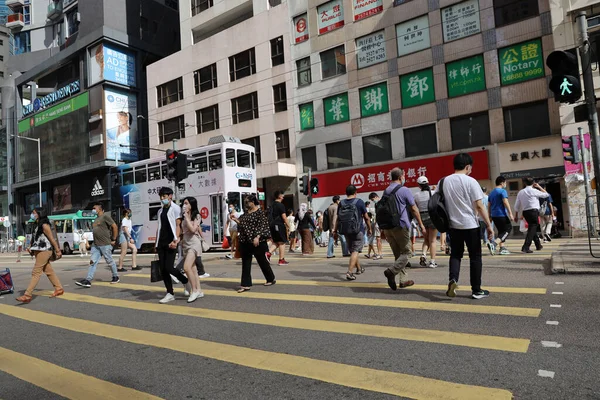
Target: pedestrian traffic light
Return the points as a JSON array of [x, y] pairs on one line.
[[565, 82], [172, 164], [571, 151], [303, 185], [314, 186]]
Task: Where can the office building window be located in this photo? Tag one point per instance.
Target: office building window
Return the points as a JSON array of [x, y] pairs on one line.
[[277, 57], [420, 140], [339, 154], [273, 3], [169, 92], [526, 121], [303, 71], [170, 129], [205, 78], [282, 139], [470, 131], [309, 159], [255, 142], [27, 14], [242, 65], [333, 62], [280, 97], [21, 43], [244, 108], [174, 4], [1, 58], [72, 22], [511, 11], [377, 148], [207, 119], [201, 5]]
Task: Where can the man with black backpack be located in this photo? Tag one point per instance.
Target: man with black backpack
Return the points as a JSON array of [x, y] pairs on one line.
[[349, 222], [329, 216], [392, 217]]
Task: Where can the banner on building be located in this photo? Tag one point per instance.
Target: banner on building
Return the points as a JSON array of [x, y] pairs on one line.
[[330, 16], [370, 49], [521, 62], [460, 20], [61, 198], [300, 28], [307, 116], [112, 64], [120, 123], [413, 35], [366, 8]]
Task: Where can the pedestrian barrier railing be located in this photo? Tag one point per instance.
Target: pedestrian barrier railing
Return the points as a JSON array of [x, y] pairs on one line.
[[593, 224]]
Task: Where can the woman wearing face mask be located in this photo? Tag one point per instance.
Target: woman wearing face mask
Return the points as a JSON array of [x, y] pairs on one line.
[[127, 242], [253, 232], [191, 246], [305, 224], [42, 243]]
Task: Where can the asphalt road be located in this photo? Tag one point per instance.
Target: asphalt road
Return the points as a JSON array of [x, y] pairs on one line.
[[312, 335]]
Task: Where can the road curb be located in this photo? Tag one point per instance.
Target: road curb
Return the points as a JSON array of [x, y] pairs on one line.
[[558, 265]]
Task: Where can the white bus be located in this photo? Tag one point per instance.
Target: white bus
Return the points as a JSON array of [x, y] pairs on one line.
[[219, 173]]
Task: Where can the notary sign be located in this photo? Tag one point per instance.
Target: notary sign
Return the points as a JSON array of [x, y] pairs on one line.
[[521, 62], [366, 8], [330, 16], [370, 49], [460, 20], [301, 28]]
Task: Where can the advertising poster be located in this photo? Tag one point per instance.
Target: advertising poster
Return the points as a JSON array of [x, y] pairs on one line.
[[370, 49], [366, 8], [460, 20], [300, 28], [330, 16], [61, 198], [413, 35], [521, 62], [465, 76], [120, 123], [111, 64]]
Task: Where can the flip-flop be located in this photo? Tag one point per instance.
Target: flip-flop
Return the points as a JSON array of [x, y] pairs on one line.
[[270, 283], [243, 289]]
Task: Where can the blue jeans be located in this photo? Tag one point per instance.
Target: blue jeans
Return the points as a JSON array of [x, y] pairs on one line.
[[332, 241], [97, 253]]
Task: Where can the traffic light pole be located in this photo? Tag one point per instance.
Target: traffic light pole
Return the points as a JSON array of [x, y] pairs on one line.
[[309, 189], [586, 178], [590, 97], [175, 188]]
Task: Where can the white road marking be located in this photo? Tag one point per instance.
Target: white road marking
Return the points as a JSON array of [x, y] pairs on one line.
[[546, 374], [555, 305], [551, 322], [557, 292], [551, 344], [559, 283]]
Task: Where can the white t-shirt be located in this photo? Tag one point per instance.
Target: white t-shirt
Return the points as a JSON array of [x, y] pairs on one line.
[[292, 222], [126, 222], [232, 223], [422, 199], [460, 194]]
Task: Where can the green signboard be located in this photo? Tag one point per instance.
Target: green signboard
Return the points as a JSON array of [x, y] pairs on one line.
[[336, 109], [307, 116], [465, 76], [521, 62], [417, 88], [52, 113], [374, 100]]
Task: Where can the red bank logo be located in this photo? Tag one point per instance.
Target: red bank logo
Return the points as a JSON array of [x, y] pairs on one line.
[[357, 180]]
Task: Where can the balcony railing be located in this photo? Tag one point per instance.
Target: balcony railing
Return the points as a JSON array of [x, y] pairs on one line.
[[55, 10], [15, 21]]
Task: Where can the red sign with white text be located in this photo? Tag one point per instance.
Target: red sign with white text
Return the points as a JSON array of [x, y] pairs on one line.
[[377, 178], [366, 8]]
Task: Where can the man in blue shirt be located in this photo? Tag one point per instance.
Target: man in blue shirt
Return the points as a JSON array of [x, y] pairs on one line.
[[499, 210]]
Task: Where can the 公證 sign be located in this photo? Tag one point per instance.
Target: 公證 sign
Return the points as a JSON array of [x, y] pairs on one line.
[[330, 16], [300, 28], [366, 8]]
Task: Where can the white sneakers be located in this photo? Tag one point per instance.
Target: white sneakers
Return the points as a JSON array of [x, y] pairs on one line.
[[167, 299], [194, 296], [175, 280], [205, 275]]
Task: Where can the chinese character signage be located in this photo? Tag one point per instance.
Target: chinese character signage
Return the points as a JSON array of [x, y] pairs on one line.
[[301, 28], [413, 35], [465, 76], [108, 63], [330, 16], [121, 134], [376, 178], [460, 20], [336, 109], [417, 88], [366, 8], [521, 62], [307, 116], [370, 49], [374, 100]]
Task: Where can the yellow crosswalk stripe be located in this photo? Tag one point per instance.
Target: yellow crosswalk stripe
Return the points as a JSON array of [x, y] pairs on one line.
[[354, 284], [390, 332], [414, 387], [361, 301], [62, 381]]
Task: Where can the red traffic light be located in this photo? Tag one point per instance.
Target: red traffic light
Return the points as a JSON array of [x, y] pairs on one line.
[[172, 154]]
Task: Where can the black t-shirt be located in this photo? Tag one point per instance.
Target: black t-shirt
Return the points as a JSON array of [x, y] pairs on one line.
[[166, 233], [277, 210]]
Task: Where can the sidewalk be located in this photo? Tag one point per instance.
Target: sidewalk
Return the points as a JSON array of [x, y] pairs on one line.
[[573, 257]]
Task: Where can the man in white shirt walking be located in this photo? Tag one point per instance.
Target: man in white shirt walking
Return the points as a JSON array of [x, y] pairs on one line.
[[463, 200], [528, 204]]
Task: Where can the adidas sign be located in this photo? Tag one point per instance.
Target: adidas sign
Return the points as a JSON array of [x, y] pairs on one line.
[[98, 190]]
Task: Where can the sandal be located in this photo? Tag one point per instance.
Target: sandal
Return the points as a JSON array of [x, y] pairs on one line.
[[58, 292], [270, 283], [350, 276], [243, 289], [24, 299]]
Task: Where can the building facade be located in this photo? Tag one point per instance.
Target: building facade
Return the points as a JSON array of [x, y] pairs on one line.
[[232, 77]]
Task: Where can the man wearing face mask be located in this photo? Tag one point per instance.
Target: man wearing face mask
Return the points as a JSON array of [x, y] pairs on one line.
[[105, 235], [501, 213]]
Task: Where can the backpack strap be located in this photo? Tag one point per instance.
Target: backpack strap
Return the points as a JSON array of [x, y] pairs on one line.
[[393, 192], [442, 188]]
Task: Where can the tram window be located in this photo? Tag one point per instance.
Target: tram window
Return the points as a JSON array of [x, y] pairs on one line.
[[128, 177], [245, 183], [214, 160], [243, 158], [69, 227], [140, 174], [200, 162], [59, 226], [153, 210], [153, 172], [234, 199], [230, 157], [253, 161]]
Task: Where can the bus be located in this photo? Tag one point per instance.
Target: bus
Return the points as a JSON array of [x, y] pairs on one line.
[[69, 229], [220, 173]]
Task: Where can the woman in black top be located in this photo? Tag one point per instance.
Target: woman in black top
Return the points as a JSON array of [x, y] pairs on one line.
[[305, 224], [253, 232]]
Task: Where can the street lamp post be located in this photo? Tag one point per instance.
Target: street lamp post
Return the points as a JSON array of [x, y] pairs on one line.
[[39, 162]]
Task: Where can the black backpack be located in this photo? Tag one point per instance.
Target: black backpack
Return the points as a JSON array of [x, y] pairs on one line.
[[269, 213], [387, 210], [437, 210], [348, 218], [325, 225]]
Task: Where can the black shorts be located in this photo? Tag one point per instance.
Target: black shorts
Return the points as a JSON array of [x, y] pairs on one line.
[[278, 233], [292, 235], [504, 227]]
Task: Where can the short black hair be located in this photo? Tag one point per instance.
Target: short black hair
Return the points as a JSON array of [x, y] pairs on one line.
[[528, 181], [165, 190], [500, 180], [98, 203], [289, 212], [396, 173], [367, 203], [336, 198], [373, 195], [461, 161], [277, 194], [251, 198], [350, 190]]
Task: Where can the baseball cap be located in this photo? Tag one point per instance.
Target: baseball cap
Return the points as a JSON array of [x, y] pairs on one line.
[[422, 180]]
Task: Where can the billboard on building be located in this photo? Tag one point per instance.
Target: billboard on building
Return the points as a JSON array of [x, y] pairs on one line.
[[330, 16], [461, 20], [109, 63], [61, 198], [301, 28], [120, 124]]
